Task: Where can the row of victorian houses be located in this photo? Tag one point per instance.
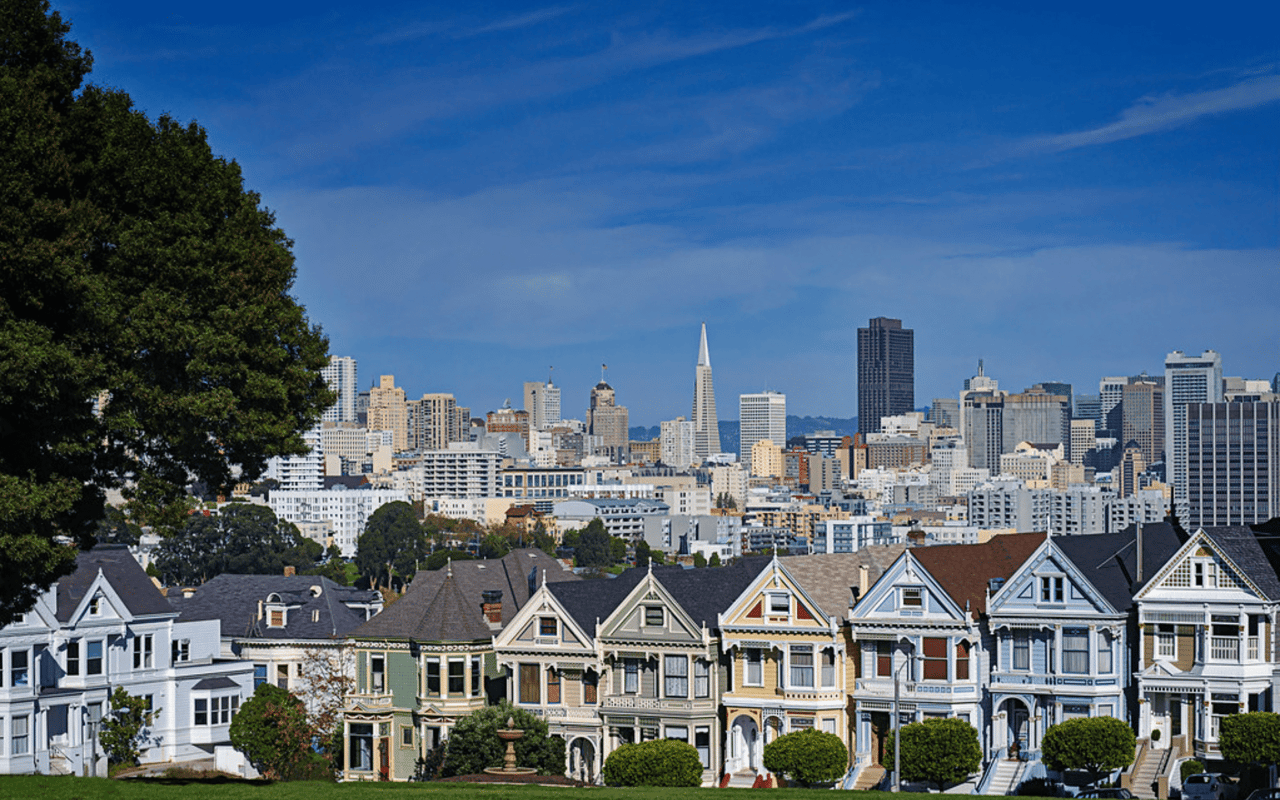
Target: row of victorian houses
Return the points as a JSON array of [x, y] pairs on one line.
[[1166, 632]]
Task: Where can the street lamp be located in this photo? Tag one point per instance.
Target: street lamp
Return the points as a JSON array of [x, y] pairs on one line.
[[896, 785]]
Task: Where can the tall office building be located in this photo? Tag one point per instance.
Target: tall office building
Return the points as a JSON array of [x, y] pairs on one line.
[[762, 415], [1035, 416], [388, 411], [945, 412], [1110, 393], [542, 401], [609, 421], [340, 375], [435, 420], [1187, 379], [1142, 418], [1089, 406], [886, 372], [1233, 463], [677, 442], [706, 425]]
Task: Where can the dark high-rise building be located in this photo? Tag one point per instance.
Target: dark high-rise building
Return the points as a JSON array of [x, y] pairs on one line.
[[886, 372]]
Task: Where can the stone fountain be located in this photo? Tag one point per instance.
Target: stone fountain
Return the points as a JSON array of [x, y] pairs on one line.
[[509, 735]]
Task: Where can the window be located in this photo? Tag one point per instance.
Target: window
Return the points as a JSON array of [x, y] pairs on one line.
[[259, 675], [802, 666], [1104, 656], [1204, 573], [653, 616], [678, 732], [180, 650], [590, 687], [19, 670], [476, 675], [676, 674], [755, 667], [93, 658], [631, 675], [73, 658], [95, 606], [1051, 589], [1021, 650], [962, 661], [912, 597], [702, 741], [701, 678], [1075, 651], [275, 618], [553, 685], [547, 626], [406, 736], [779, 603], [142, 655], [457, 677], [202, 711], [883, 653], [360, 757], [21, 736], [1166, 642], [433, 677], [828, 667], [529, 684], [377, 674], [935, 658]]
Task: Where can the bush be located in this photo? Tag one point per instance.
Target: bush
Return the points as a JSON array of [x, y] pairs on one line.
[[1095, 745], [807, 756], [474, 744], [1190, 767], [662, 762], [940, 751], [1252, 738], [123, 727], [272, 731]]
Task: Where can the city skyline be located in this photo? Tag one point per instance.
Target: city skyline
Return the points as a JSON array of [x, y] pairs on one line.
[[1065, 193]]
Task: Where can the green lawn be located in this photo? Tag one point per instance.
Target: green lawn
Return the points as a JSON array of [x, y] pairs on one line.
[[38, 787]]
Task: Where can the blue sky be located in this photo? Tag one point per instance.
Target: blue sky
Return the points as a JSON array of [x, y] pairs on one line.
[[478, 193]]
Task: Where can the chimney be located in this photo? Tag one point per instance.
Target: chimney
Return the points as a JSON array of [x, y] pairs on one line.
[[864, 579], [492, 605], [289, 572]]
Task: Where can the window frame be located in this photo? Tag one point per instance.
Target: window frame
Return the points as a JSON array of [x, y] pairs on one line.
[[553, 685], [377, 674], [911, 597], [547, 627], [801, 667], [529, 684], [1079, 658], [73, 658], [931, 662], [631, 676], [753, 661], [701, 678], [675, 676], [1021, 647], [654, 617]]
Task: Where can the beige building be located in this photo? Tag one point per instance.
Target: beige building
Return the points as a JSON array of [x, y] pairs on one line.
[[435, 420], [766, 459], [1084, 437], [609, 421], [388, 411]]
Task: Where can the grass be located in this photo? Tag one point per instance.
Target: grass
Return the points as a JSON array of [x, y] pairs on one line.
[[70, 788]]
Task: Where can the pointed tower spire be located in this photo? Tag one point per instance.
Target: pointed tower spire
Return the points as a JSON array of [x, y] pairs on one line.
[[704, 355], [706, 426]]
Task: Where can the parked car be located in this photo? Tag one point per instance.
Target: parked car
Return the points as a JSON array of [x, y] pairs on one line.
[[1265, 794], [1113, 794], [1208, 786]]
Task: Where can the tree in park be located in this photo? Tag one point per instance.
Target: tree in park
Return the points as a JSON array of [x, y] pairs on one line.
[[1250, 739], [474, 744], [807, 756], [123, 728], [147, 332], [241, 539], [393, 545], [939, 751], [1096, 745], [273, 732]]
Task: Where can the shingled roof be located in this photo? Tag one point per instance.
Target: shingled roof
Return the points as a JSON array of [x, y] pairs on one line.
[[124, 572], [317, 605], [1110, 560], [963, 570], [829, 577], [444, 605], [1240, 544]]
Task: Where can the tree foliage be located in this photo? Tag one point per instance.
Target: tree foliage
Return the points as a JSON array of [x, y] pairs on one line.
[[147, 330], [327, 677], [392, 546], [594, 546], [273, 732], [660, 762], [939, 751], [115, 527], [474, 744], [241, 539], [1096, 745], [1252, 738], [124, 726], [807, 756]]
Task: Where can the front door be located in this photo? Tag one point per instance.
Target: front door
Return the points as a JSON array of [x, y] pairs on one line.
[[880, 727], [1018, 730]]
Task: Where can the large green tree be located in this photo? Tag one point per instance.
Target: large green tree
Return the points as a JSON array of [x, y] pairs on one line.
[[241, 539], [147, 332], [123, 727], [393, 545], [1095, 745], [273, 732], [1252, 738]]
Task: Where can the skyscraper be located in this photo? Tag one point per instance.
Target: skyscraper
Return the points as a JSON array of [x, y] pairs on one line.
[[706, 426], [340, 375], [609, 421], [886, 372], [388, 411], [761, 416], [1187, 379], [542, 401], [1233, 463]]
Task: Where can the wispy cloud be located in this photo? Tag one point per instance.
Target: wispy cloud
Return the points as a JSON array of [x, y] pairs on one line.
[[1154, 114], [522, 20]]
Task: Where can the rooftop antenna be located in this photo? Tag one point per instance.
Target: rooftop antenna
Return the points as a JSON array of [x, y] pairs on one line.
[[550, 371], [603, 368], [979, 368]]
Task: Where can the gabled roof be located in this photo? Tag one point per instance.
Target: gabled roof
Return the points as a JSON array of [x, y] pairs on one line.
[[963, 570], [125, 574], [459, 589], [1110, 560], [829, 577], [1240, 544], [590, 601], [234, 601]]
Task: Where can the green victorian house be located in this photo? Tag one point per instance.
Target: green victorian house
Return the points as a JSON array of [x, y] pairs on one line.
[[427, 660]]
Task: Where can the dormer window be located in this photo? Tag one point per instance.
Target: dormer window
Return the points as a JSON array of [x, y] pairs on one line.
[[779, 603], [95, 606], [275, 618], [1052, 589], [1204, 573], [653, 616], [912, 597], [547, 625]]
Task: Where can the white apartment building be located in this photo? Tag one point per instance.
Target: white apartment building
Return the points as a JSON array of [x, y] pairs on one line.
[[677, 440], [340, 375], [762, 415], [729, 480], [348, 509], [305, 471], [849, 535], [1187, 379]]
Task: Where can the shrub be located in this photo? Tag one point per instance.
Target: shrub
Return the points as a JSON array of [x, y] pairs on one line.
[[1252, 738], [1190, 767], [807, 756], [272, 731], [474, 744], [123, 728], [1095, 745], [940, 751], [662, 762]]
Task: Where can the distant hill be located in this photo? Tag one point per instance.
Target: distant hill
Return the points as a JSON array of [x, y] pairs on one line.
[[729, 436]]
